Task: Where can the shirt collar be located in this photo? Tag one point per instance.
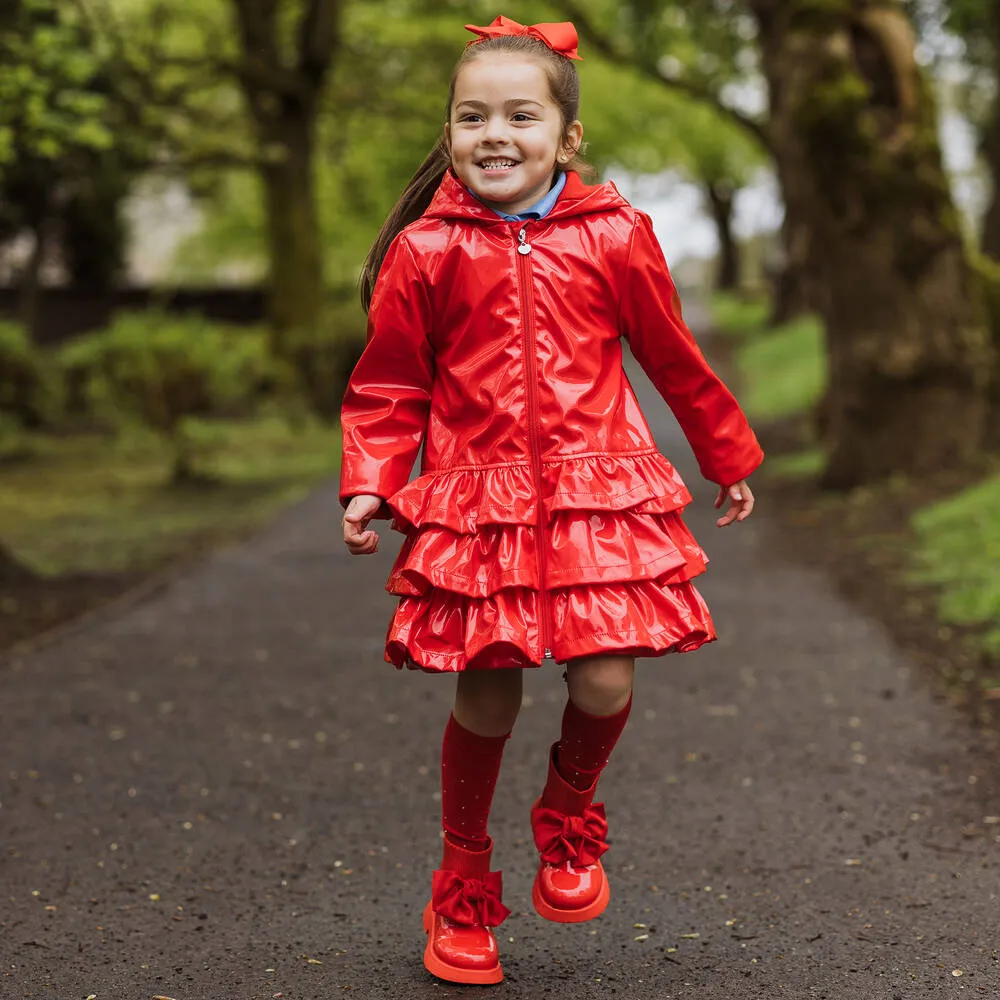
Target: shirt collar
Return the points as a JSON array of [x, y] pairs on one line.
[[543, 206]]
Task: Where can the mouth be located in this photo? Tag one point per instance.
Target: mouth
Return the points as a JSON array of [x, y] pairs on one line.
[[496, 163]]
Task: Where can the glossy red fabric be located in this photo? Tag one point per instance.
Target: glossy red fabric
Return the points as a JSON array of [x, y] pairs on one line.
[[544, 518], [559, 837]]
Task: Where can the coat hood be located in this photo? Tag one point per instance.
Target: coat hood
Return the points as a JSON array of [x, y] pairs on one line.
[[452, 200]]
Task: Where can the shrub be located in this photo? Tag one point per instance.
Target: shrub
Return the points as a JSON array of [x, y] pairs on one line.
[[29, 389], [162, 370]]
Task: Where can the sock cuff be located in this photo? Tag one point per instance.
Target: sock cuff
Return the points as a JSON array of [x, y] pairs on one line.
[[621, 713], [470, 741]]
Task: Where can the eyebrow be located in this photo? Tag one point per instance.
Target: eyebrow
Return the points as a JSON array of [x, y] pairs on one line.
[[513, 101]]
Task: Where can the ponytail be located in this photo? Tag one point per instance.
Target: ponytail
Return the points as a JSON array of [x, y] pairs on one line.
[[412, 204]]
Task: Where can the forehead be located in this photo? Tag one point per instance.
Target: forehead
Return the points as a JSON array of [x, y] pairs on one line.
[[496, 77]]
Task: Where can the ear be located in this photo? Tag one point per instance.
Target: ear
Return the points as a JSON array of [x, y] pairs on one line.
[[572, 142]]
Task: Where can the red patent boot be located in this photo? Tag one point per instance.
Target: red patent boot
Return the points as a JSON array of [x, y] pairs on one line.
[[465, 904], [570, 834]]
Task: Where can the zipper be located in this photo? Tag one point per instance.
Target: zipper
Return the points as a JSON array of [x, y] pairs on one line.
[[528, 318]]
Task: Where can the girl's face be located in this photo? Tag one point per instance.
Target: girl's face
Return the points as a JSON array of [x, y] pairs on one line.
[[506, 132]]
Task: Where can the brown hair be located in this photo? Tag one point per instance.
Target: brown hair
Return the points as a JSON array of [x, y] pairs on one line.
[[564, 84]]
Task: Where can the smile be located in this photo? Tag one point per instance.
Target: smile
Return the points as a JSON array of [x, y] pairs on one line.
[[497, 164]]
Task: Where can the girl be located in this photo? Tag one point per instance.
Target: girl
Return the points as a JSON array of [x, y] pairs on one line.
[[545, 524]]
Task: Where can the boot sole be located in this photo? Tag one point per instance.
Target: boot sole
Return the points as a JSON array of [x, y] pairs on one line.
[[454, 973], [577, 916]]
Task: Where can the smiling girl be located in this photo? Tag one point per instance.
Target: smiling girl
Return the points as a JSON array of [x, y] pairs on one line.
[[545, 524]]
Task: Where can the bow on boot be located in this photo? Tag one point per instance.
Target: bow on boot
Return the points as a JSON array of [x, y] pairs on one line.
[[580, 839], [465, 904], [469, 901], [570, 831]]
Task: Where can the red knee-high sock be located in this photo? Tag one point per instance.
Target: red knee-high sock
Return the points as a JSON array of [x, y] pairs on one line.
[[469, 768], [586, 743]]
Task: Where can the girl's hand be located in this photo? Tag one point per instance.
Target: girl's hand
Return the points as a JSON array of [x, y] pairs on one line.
[[358, 538], [740, 502]]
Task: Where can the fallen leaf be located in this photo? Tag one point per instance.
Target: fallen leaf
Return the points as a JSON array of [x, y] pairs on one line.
[[313, 961]]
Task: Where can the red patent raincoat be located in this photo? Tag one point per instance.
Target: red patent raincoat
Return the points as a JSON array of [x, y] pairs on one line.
[[545, 522]]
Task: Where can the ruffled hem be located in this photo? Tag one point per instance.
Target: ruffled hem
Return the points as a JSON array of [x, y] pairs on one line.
[[582, 547], [445, 632], [465, 500]]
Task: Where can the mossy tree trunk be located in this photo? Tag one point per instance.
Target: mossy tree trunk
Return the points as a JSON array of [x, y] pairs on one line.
[[991, 151], [853, 127], [284, 92], [990, 243]]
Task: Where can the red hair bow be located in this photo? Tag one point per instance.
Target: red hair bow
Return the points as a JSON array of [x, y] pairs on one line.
[[559, 36], [468, 901], [580, 839]]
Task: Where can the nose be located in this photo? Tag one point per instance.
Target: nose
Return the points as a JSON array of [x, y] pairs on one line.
[[496, 129]]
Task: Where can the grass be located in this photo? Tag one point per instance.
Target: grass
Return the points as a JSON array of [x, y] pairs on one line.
[[88, 504], [804, 464], [782, 372], [738, 316], [959, 552]]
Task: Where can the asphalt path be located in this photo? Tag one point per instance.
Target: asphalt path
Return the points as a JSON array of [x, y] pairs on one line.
[[221, 792]]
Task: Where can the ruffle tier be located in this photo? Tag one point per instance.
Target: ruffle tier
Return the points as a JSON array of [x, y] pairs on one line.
[[619, 560], [442, 631], [466, 499]]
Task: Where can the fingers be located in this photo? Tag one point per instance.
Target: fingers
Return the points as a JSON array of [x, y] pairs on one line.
[[741, 503], [359, 539]]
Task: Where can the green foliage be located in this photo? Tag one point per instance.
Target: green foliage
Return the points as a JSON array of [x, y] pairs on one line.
[[47, 99], [29, 392], [958, 552], [161, 369], [783, 372]]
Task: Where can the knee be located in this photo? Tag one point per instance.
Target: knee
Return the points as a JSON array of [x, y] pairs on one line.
[[601, 685], [488, 703]]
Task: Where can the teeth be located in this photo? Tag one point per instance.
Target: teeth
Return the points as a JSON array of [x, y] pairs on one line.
[[497, 164]]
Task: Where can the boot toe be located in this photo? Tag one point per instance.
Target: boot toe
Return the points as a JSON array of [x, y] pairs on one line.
[[473, 948], [568, 894]]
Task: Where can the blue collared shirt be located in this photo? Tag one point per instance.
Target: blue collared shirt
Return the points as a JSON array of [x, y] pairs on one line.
[[543, 206]]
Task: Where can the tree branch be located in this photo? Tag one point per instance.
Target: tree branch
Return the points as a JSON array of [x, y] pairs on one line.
[[319, 37], [699, 91]]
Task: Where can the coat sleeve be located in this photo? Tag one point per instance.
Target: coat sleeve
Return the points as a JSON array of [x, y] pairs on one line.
[[723, 443], [385, 409]]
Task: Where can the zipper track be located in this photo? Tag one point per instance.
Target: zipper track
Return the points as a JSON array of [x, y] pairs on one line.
[[527, 296]]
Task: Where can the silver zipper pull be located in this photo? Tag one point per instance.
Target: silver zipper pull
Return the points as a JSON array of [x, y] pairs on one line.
[[522, 240]]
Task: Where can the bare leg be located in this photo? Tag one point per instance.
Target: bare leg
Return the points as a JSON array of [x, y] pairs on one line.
[[600, 685], [487, 701]]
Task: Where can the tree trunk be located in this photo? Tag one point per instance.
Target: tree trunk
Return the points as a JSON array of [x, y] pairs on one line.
[[794, 285], [284, 95], [30, 280], [991, 153], [854, 129], [293, 237], [721, 194], [990, 244]]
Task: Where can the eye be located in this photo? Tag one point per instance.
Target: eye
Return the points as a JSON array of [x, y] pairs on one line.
[[470, 117], [522, 116]]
